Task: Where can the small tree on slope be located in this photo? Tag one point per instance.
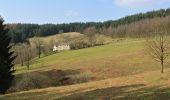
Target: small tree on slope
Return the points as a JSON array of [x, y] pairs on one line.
[[6, 59], [159, 49]]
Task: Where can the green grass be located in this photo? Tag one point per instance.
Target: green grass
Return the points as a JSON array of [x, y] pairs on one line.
[[101, 62], [113, 60], [120, 70]]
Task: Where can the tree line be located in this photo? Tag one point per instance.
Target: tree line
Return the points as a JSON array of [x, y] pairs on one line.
[[21, 32]]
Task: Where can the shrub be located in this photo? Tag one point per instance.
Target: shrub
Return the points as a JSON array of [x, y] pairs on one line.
[[29, 81], [37, 80], [79, 45]]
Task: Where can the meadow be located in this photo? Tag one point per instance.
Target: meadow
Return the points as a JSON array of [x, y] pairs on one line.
[[121, 70]]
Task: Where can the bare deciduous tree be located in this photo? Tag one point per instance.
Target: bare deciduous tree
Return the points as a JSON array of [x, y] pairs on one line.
[[91, 35], [18, 48], [28, 54], [158, 49], [38, 44]]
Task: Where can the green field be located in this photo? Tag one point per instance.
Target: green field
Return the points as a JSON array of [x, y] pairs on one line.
[[121, 70], [112, 60]]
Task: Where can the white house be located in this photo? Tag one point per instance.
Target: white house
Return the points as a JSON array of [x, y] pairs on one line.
[[61, 48]]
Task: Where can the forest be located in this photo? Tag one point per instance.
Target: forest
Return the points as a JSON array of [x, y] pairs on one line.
[[115, 28]]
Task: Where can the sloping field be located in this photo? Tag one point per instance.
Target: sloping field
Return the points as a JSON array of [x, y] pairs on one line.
[[121, 70], [146, 86], [121, 58], [69, 38], [59, 36], [112, 60]]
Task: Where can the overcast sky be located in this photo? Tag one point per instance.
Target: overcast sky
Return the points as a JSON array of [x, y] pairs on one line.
[[65, 11]]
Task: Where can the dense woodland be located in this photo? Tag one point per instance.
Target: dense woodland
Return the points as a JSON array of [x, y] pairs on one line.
[[141, 23]]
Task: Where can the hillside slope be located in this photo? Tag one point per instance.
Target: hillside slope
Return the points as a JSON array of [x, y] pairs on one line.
[[48, 39], [143, 86], [120, 58], [120, 70]]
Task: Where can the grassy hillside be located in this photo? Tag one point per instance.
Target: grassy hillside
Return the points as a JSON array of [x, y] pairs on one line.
[[147, 86], [120, 58], [121, 70], [70, 37], [59, 36]]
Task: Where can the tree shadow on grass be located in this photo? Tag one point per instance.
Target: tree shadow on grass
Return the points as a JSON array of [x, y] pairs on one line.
[[129, 92]]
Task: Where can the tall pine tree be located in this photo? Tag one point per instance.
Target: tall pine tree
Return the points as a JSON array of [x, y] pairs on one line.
[[6, 59]]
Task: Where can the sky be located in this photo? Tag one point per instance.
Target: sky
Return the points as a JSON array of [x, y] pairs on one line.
[[66, 11]]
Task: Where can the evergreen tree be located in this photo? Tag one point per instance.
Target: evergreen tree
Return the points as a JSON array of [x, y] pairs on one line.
[[6, 59]]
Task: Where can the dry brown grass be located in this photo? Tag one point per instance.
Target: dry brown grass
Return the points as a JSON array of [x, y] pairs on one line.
[[145, 79], [120, 71]]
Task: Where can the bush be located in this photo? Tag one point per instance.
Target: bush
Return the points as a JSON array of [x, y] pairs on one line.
[[29, 81], [37, 80], [79, 45]]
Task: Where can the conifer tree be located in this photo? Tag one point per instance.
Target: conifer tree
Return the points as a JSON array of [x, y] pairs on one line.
[[6, 59]]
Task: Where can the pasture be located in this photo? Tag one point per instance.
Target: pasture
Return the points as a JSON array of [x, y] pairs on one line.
[[121, 70]]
